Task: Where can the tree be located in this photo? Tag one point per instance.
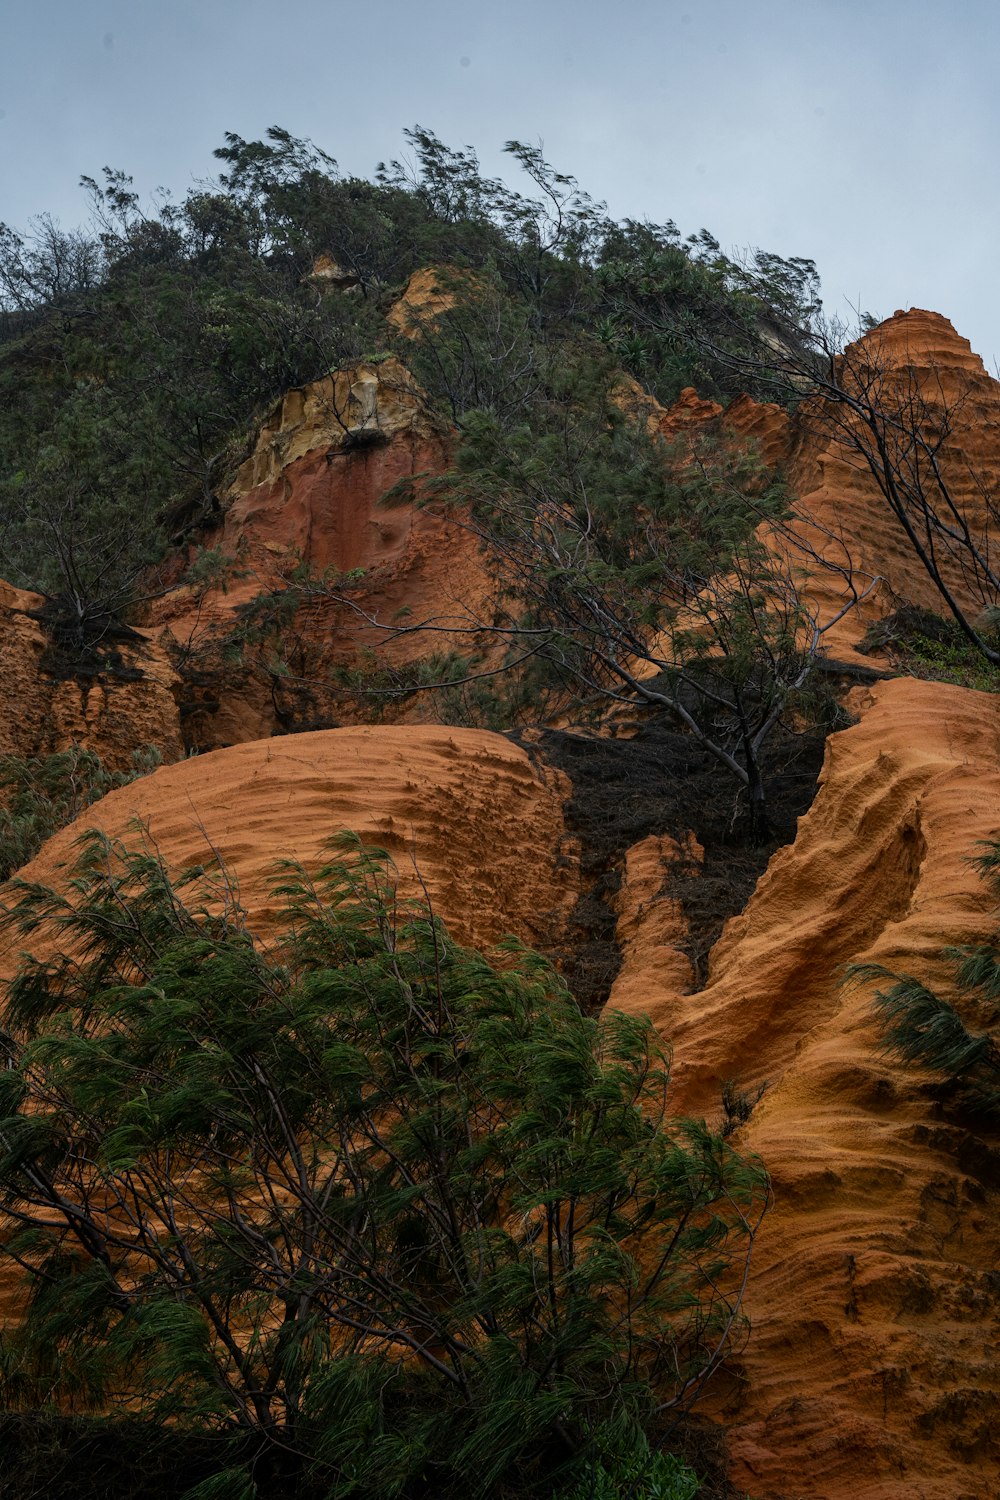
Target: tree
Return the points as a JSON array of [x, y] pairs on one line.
[[80, 521], [895, 423], [474, 348], [632, 572], [46, 271], [679, 312], [378, 1207], [43, 793], [145, 352], [139, 353]]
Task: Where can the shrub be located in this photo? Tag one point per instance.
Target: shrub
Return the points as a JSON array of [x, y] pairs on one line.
[[45, 792], [397, 1218], [958, 1037], [930, 646]]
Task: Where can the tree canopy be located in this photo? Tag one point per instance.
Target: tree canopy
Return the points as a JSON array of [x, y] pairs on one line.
[[394, 1215], [136, 353]]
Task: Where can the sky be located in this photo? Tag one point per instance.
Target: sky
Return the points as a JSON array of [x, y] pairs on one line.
[[860, 133]]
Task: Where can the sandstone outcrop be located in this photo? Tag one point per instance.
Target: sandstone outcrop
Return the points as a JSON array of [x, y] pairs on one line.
[[312, 495], [872, 1368], [924, 370], [431, 291], [129, 704], [464, 810]]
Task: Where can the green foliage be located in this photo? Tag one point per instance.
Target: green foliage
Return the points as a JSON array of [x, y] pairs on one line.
[[135, 354], [930, 646], [681, 312], [401, 1216], [955, 1036], [481, 353], [629, 570], [640, 1475], [79, 513], [41, 794]]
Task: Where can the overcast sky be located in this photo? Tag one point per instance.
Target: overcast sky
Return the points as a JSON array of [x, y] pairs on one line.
[[861, 133]]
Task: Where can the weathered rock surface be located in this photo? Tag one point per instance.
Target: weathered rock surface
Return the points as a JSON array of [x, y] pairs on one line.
[[313, 493], [431, 291], [874, 1295], [921, 364], [113, 713], [466, 809], [872, 1368]]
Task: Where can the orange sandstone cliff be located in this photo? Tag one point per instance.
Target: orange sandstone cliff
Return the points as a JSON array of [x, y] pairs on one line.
[[129, 704], [872, 1366], [871, 1370], [921, 366], [315, 494]]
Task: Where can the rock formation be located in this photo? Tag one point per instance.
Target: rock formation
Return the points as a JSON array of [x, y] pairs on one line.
[[874, 1300], [462, 811], [128, 704], [929, 374], [312, 495], [872, 1365]]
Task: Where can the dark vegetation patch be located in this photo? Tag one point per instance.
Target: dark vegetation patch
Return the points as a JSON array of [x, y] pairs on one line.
[[91, 1458], [664, 782], [934, 647], [59, 1457], [79, 650]]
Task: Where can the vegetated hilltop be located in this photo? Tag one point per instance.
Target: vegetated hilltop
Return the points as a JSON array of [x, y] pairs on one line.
[[305, 452]]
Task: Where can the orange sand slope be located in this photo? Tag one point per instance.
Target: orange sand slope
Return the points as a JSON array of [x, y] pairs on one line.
[[483, 825], [872, 1368]]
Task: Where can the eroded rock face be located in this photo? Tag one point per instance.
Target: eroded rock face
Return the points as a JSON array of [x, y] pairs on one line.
[[466, 809], [872, 1367], [431, 291], [114, 713], [313, 494], [920, 363]]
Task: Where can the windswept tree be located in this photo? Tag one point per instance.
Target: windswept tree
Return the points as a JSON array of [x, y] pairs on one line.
[[897, 422], [380, 1211], [628, 570]]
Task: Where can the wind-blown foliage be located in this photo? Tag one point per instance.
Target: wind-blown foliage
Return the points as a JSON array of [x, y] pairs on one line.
[[631, 570], [395, 1216], [956, 1038], [43, 793], [135, 354]]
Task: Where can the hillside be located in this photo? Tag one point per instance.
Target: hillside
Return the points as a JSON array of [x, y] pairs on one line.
[[550, 556]]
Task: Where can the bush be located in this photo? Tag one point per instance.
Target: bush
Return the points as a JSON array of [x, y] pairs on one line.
[[933, 647], [45, 792], [398, 1219], [640, 1476], [956, 1038]]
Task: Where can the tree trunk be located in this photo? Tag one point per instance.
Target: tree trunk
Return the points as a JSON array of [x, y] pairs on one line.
[[760, 824]]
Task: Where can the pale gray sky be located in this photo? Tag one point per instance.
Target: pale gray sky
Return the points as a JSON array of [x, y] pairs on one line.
[[862, 133]]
